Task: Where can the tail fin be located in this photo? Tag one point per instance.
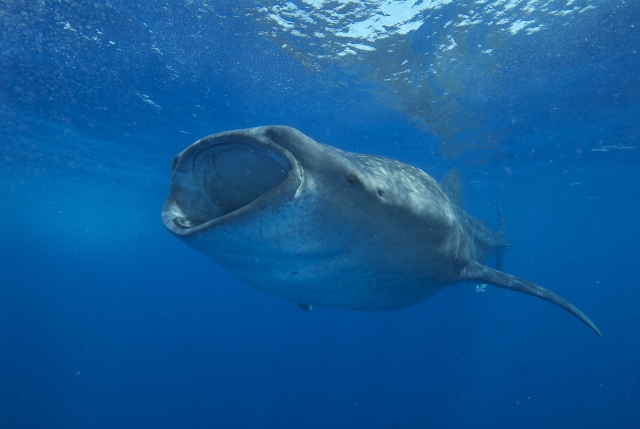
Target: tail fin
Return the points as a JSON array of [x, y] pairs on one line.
[[478, 272], [502, 230]]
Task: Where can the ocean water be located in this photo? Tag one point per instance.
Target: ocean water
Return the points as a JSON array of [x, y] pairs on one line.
[[107, 320]]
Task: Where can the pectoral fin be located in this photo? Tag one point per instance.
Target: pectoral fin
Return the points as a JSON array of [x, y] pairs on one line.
[[305, 307], [475, 271]]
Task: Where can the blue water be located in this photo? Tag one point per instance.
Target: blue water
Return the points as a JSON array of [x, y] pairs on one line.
[[107, 320]]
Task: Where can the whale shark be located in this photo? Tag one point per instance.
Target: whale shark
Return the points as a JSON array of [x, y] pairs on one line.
[[320, 226]]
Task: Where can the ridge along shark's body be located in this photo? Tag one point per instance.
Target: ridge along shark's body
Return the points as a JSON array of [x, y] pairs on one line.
[[316, 225]]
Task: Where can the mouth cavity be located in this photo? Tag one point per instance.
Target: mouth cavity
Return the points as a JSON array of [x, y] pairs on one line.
[[222, 178]]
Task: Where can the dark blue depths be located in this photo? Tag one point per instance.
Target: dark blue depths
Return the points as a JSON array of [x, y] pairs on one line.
[[107, 320]]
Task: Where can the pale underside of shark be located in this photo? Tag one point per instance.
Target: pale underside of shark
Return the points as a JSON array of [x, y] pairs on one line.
[[316, 225]]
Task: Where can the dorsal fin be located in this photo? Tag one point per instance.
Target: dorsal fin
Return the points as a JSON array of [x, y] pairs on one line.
[[452, 187]]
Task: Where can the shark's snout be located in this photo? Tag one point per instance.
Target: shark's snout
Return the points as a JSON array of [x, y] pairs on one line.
[[218, 177]]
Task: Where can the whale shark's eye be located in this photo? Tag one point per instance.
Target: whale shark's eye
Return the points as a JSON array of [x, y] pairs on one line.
[[351, 178], [380, 192]]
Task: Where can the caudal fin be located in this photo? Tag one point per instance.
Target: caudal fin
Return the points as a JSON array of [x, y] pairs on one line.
[[475, 271]]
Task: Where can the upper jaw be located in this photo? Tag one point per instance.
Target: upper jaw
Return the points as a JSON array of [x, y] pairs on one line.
[[227, 175]]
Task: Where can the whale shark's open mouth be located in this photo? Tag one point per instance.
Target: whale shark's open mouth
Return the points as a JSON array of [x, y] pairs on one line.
[[220, 176]]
